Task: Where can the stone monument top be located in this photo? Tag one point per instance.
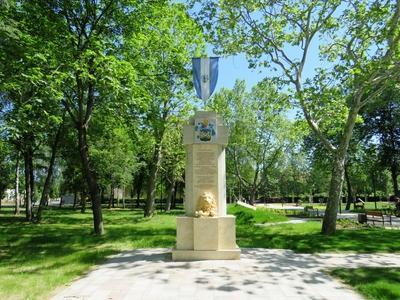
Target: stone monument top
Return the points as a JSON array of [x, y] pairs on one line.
[[205, 139]]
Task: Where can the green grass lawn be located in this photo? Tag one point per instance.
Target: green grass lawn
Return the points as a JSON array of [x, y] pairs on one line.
[[373, 283], [306, 238], [35, 259], [247, 216]]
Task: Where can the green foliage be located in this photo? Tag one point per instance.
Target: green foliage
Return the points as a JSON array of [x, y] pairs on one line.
[[112, 151], [381, 134], [173, 158], [358, 47], [260, 134], [372, 283], [119, 69], [6, 167]]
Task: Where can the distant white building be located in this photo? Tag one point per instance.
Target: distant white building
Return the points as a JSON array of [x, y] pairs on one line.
[[10, 195], [67, 199]]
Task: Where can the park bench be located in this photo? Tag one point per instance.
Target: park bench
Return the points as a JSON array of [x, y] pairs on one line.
[[311, 211], [378, 216]]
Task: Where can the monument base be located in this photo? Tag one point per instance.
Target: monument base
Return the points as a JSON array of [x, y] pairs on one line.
[[206, 238], [189, 255]]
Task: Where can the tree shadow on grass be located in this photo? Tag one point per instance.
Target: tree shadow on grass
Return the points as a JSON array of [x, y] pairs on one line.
[[65, 237], [7, 217]]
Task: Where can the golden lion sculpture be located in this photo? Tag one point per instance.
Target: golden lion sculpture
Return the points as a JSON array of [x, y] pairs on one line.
[[206, 206]]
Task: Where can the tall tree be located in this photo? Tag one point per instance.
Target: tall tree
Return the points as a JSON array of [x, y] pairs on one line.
[[49, 176], [6, 168], [362, 46], [113, 153], [89, 36], [382, 125], [173, 161], [30, 90], [167, 44], [259, 133]]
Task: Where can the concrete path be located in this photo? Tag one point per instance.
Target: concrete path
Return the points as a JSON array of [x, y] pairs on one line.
[[260, 274], [293, 221]]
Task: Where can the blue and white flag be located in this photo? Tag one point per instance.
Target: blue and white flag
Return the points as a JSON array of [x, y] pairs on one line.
[[205, 75]]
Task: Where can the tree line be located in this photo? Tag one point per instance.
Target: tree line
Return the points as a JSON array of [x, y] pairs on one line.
[[93, 95]]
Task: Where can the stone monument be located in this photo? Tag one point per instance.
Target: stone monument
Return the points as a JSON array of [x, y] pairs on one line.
[[206, 231]]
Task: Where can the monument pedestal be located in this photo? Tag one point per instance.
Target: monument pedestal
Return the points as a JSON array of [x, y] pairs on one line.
[[206, 232], [205, 238]]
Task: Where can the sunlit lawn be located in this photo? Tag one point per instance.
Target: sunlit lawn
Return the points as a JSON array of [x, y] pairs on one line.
[[259, 216], [35, 259], [306, 238], [373, 283]]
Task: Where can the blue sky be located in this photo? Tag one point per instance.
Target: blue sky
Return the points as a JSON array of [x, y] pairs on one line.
[[236, 67]]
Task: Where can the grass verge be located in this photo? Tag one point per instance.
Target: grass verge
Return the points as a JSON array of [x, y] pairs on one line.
[[373, 283]]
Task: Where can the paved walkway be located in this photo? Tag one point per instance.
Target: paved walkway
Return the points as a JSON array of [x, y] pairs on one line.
[[260, 274]]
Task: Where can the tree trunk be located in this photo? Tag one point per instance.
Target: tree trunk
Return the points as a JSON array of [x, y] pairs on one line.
[[75, 199], [28, 196], [17, 198], [173, 200], [170, 195], [123, 197], [335, 189], [46, 187], [32, 179], [83, 202], [373, 180], [117, 197], [102, 195], [394, 173], [253, 194], [151, 187], [91, 181], [139, 186], [2, 192], [350, 196], [111, 198]]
